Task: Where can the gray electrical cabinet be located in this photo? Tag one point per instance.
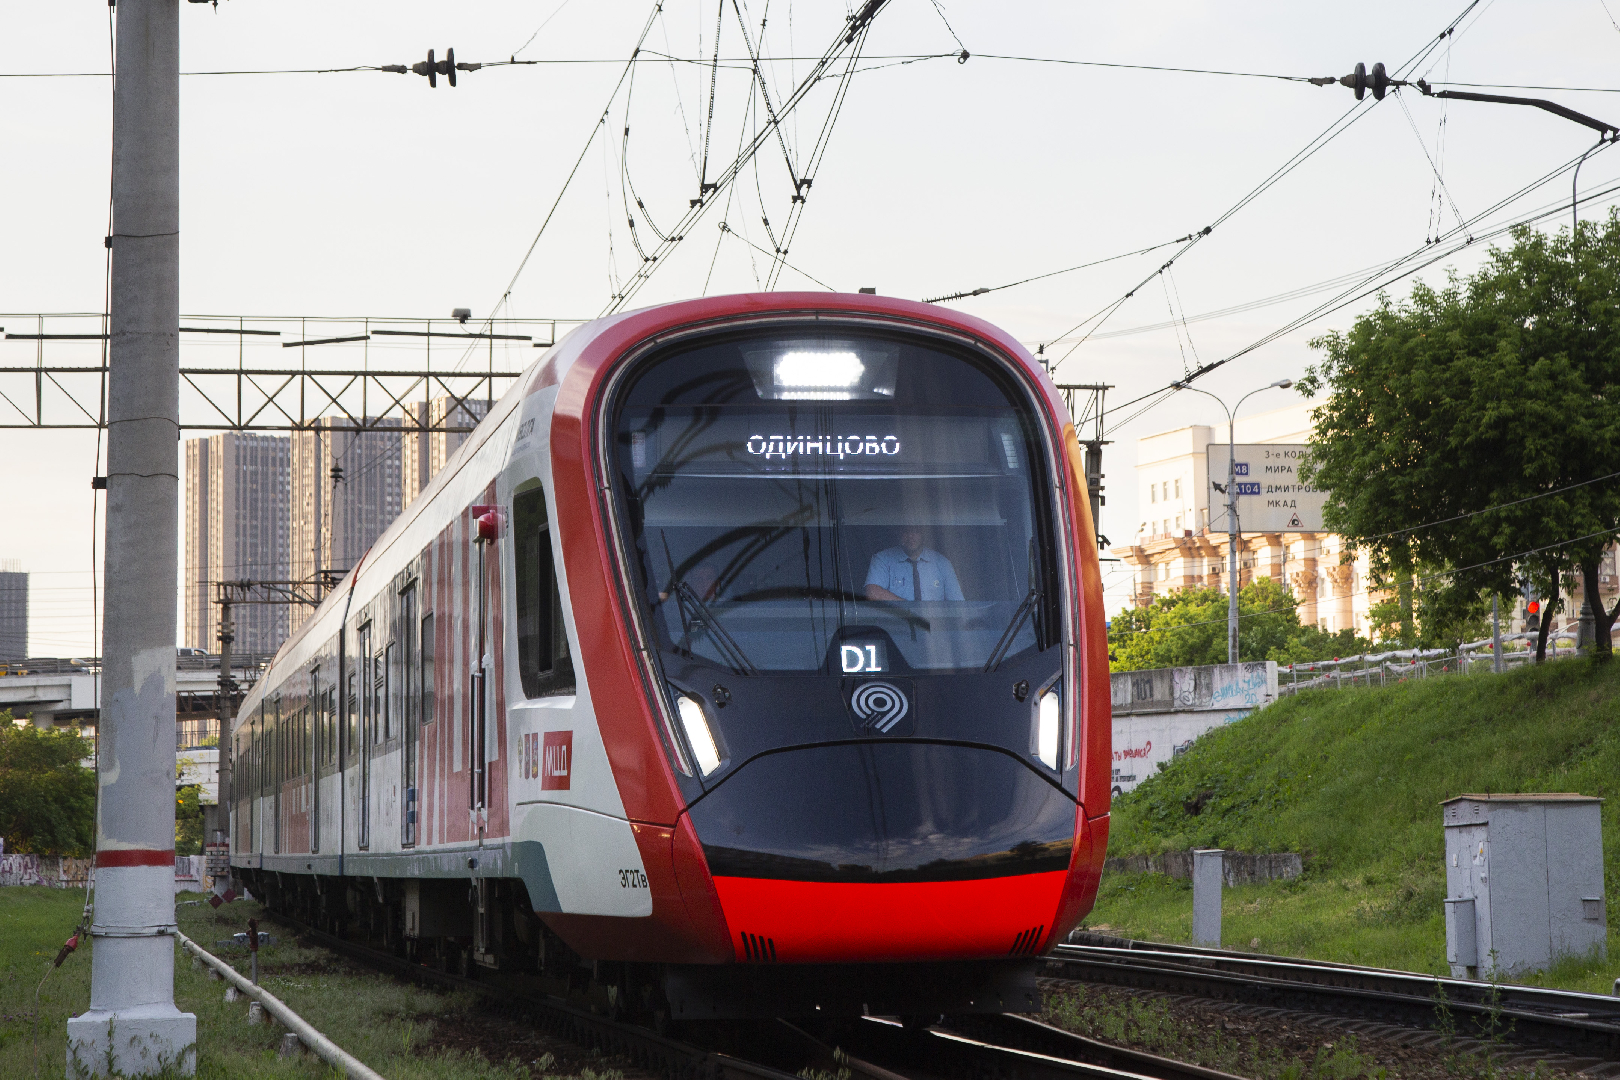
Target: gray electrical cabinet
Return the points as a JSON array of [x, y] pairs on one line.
[[1524, 882]]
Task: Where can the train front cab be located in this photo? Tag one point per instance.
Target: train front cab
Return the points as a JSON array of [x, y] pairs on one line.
[[858, 557]]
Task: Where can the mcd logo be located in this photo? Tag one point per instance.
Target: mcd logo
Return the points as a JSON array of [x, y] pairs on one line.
[[550, 757], [556, 759]]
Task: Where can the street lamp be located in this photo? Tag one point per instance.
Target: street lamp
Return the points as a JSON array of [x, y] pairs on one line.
[[1231, 507]]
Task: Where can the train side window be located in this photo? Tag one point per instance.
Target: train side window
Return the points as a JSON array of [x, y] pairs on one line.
[[375, 734], [411, 675], [354, 708], [315, 698], [543, 660], [390, 688], [427, 668]]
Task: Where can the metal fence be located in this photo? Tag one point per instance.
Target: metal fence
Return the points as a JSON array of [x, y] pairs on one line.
[[1401, 665]]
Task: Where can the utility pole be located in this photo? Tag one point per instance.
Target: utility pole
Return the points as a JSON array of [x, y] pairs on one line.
[[1231, 541], [132, 1027], [1496, 635], [226, 699]]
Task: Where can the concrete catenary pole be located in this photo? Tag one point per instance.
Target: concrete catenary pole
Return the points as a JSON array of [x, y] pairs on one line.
[[132, 1027], [227, 711]]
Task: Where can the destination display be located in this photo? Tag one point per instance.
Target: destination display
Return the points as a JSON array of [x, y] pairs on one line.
[[1270, 496]]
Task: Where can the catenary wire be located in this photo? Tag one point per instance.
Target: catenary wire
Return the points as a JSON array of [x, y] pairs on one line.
[[1333, 130], [1055, 273], [1389, 273], [727, 230]]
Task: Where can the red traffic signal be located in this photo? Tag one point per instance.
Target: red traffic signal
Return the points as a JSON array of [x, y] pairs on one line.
[[1533, 607]]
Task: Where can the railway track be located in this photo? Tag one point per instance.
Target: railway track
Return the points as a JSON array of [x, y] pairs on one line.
[[1569, 1022], [1003, 1047]]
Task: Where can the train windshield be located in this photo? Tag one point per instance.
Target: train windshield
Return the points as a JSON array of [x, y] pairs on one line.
[[837, 504]]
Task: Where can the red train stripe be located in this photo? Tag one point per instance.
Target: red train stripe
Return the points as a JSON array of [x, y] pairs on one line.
[[136, 857]]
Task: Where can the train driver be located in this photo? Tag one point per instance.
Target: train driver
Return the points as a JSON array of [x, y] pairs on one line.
[[911, 572]]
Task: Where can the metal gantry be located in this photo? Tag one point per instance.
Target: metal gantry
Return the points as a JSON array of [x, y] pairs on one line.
[[354, 373]]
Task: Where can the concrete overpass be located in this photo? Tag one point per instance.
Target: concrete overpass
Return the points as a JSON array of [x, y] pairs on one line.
[[52, 693]]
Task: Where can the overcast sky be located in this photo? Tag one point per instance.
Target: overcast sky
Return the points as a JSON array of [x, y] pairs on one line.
[[370, 194]]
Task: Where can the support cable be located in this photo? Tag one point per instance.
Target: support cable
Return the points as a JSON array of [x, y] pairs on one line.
[[853, 32], [817, 152], [1333, 131]]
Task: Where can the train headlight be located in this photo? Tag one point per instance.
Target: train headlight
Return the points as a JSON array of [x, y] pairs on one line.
[[698, 735], [1048, 725], [824, 369]]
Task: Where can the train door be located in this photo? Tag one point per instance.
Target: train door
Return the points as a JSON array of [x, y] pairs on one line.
[[313, 758], [368, 711], [256, 779], [476, 711], [348, 728], [410, 722], [278, 773], [428, 646]]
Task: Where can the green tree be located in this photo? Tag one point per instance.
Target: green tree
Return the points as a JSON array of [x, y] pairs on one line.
[[47, 797], [1458, 422], [1188, 628], [188, 820]]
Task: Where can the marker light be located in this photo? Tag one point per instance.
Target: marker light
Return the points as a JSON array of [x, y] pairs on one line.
[[698, 734], [1048, 722], [798, 371]]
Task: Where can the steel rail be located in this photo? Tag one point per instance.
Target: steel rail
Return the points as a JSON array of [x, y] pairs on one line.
[[1039, 1052], [646, 1048], [1568, 1021], [1004, 1046]]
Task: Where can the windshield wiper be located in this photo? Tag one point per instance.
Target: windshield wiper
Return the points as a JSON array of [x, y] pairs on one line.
[[1026, 609], [1008, 635], [733, 652]]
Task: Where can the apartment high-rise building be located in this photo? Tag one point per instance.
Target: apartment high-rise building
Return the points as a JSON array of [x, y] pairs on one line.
[[424, 453], [13, 611], [237, 489], [334, 522]]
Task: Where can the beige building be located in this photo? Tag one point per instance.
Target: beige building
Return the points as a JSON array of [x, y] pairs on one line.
[[423, 453], [333, 522], [1181, 541], [236, 529]]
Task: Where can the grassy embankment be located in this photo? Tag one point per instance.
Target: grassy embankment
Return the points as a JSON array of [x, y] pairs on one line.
[[403, 1031], [1353, 780]]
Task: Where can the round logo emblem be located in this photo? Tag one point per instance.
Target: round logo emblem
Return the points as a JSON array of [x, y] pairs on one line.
[[880, 705]]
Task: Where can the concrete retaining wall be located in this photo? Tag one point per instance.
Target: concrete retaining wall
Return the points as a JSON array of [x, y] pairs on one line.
[[1236, 867], [66, 872], [1159, 712], [56, 871]]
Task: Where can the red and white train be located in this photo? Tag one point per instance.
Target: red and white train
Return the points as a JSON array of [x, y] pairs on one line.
[[748, 659]]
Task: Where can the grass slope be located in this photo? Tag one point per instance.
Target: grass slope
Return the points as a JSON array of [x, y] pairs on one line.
[[1353, 779]]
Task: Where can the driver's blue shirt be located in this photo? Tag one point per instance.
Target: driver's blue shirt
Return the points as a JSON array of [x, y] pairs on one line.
[[891, 569]]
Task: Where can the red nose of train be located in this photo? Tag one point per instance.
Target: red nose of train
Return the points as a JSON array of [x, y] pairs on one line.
[[892, 851]]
